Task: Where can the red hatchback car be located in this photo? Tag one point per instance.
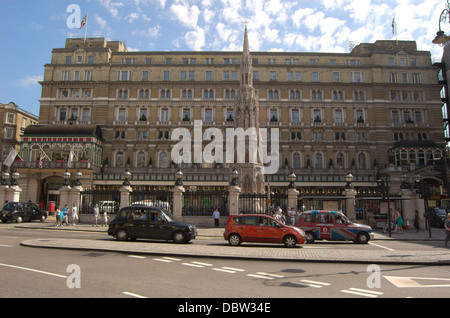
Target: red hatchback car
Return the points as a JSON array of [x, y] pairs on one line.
[[263, 229]]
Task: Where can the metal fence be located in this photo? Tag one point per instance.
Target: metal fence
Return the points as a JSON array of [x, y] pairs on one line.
[[156, 198], [203, 203], [107, 200], [253, 203]]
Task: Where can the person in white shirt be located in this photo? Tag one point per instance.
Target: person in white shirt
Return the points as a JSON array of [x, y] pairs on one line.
[[216, 215], [74, 214]]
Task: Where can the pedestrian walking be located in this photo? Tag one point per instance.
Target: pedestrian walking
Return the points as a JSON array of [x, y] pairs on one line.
[[74, 214], [292, 216], [447, 229], [64, 212], [417, 221], [95, 215], [105, 217], [58, 217], [399, 222], [216, 215]]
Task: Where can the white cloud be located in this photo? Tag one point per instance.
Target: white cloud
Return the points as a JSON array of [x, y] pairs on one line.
[[187, 15], [195, 39], [29, 81]]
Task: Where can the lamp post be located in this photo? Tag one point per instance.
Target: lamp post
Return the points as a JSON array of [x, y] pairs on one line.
[[127, 176], [178, 178], [441, 38], [292, 177], [383, 186], [423, 190], [5, 177], [234, 176], [348, 179]]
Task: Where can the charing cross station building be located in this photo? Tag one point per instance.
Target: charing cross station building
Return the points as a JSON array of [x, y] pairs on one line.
[[342, 122]]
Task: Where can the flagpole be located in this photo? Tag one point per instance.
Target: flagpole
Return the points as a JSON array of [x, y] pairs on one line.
[[85, 30]]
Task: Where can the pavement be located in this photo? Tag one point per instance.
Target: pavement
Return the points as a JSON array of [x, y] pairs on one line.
[[316, 252]]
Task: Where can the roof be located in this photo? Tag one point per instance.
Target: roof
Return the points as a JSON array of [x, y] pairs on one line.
[[64, 130]]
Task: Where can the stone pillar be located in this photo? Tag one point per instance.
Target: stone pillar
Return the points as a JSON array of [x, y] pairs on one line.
[[13, 193], [3, 191], [292, 198], [408, 207], [64, 196], [350, 195], [233, 199], [125, 191], [178, 191]]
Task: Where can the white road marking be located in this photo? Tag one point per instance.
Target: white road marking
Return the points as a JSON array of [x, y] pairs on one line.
[[133, 295], [192, 265], [5, 245], [380, 246], [362, 292], [265, 275], [202, 264], [33, 270], [312, 283], [136, 256]]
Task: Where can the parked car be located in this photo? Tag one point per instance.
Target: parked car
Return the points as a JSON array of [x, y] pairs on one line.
[[437, 216], [261, 228], [109, 206], [332, 225], [146, 222], [22, 212]]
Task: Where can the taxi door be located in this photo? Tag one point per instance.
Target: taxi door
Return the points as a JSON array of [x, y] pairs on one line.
[[325, 225]]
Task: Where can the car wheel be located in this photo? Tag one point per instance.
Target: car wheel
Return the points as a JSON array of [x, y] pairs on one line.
[[310, 237], [122, 235], [290, 241], [362, 238], [234, 240], [19, 219], [179, 237]]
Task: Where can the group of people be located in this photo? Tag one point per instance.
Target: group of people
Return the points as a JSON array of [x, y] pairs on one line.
[[289, 218], [62, 215]]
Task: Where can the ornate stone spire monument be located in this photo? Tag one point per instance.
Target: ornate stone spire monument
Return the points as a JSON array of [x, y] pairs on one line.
[[246, 110]]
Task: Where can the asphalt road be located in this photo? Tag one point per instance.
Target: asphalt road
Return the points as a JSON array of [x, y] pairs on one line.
[[53, 273]]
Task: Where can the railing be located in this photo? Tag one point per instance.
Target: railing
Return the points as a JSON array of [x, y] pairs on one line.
[[54, 165]]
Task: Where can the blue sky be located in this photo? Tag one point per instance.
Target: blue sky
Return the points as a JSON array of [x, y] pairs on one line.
[[30, 29]]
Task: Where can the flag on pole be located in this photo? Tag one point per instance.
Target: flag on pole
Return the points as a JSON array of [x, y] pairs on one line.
[[393, 25], [41, 160], [83, 22], [11, 156]]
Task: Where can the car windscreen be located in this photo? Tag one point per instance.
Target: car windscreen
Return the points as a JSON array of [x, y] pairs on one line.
[[10, 206], [441, 212]]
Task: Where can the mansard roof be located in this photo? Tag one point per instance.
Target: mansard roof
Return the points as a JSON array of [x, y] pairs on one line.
[[64, 130]]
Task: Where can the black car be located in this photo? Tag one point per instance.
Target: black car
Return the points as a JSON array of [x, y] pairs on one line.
[[135, 222], [437, 216], [22, 211]]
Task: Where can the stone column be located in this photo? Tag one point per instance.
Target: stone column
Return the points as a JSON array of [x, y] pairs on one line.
[[408, 207], [125, 190], [292, 198], [350, 195], [233, 199], [178, 191], [13, 193]]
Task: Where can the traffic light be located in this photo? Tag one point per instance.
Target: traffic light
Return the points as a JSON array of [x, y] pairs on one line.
[[440, 166]]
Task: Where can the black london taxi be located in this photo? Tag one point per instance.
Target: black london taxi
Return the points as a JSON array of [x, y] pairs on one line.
[[146, 222], [22, 212]]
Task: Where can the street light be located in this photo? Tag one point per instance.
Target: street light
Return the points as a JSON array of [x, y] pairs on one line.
[[424, 192], [5, 177], [292, 177], [15, 176], [127, 176], [178, 177], [234, 176], [348, 179], [441, 38], [78, 176], [66, 178]]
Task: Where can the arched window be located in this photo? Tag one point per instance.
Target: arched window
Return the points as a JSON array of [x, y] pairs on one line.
[[362, 161], [163, 160], [119, 159], [318, 158], [296, 160]]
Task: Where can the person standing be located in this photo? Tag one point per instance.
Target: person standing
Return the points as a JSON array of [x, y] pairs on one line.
[[105, 217], [292, 216], [57, 217], [96, 213], [447, 229], [216, 215], [417, 221], [74, 214]]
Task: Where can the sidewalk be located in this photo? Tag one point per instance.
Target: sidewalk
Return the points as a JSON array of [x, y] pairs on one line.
[[308, 252]]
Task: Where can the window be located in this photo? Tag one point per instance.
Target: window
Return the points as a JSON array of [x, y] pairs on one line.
[[295, 117], [208, 94], [186, 115], [65, 75], [62, 114], [86, 114], [273, 115], [76, 76], [294, 95], [317, 116], [338, 116], [119, 159], [416, 78], [256, 75], [163, 160], [296, 160], [122, 114], [336, 77], [318, 160], [273, 75], [230, 115], [10, 118], [9, 133], [395, 117], [123, 75], [88, 75], [357, 77], [166, 75], [145, 75], [68, 60], [208, 115], [74, 114], [315, 76], [168, 60], [393, 77], [273, 94], [143, 114], [164, 115], [208, 76]]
